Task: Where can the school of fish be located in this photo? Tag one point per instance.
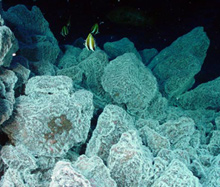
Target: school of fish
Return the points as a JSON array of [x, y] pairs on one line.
[[90, 43]]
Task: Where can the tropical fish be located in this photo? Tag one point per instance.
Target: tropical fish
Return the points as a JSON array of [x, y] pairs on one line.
[[90, 42], [64, 31], [95, 29]]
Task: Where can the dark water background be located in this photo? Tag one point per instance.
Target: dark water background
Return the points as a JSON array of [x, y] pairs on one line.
[[169, 20]]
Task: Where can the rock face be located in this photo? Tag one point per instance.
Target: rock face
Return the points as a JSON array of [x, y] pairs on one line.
[[8, 46], [7, 98], [8, 79], [95, 171], [65, 175], [147, 55], [176, 65], [177, 175], [111, 124], [27, 21], [179, 132], [18, 158], [36, 42], [51, 119], [93, 69], [115, 49], [113, 121], [204, 96], [129, 162], [70, 57], [153, 140], [213, 173], [130, 83]]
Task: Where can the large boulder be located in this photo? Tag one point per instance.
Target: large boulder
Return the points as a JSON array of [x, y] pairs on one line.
[[111, 124], [118, 48], [36, 41], [176, 65], [8, 80], [130, 83], [50, 119], [205, 96], [8, 46]]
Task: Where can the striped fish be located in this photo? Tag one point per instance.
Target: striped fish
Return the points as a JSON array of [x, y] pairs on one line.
[[64, 31], [90, 42], [95, 29]]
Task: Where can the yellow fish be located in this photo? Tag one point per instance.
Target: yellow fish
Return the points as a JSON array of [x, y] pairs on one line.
[[95, 29], [90, 42], [64, 31]]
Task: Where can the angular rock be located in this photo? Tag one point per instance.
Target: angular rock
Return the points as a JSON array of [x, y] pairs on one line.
[[84, 54], [214, 145], [40, 48], [111, 124], [153, 140], [178, 175], [198, 170], [200, 117], [178, 131], [176, 65], [195, 42], [18, 158], [70, 57], [49, 85], [8, 46], [43, 68], [95, 171], [217, 122], [25, 178], [129, 163], [176, 73], [12, 177], [147, 55], [204, 157], [2, 22], [1, 165], [19, 60], [129, 83], [65, 175], [93, 69], [205, 96], [169, 155], [26, 21], [195, 140], [22, 74], [118, 48], [157, 108], [74, 72], [36, 41], [213, 178], [50, 120], [7, 96], [159, 166], [151, 123]]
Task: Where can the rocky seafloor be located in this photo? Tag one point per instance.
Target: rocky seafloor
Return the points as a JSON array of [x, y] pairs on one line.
[[112, 117]]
